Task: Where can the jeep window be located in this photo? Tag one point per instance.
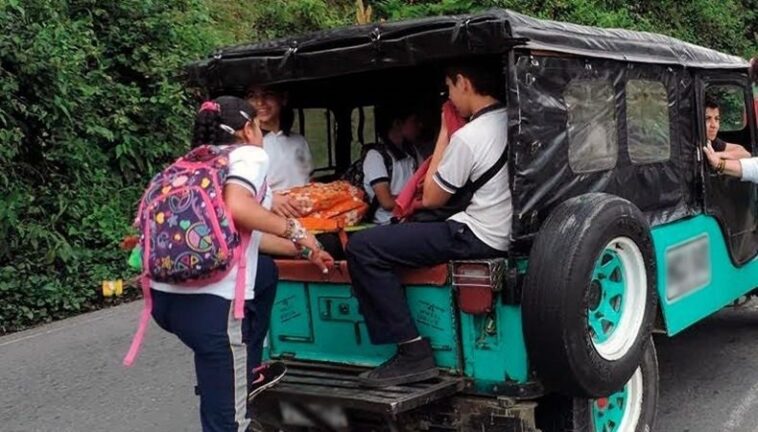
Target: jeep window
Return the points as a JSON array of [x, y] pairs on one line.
[[364, 131], [593, 140], [647, 122], [731, 101], [317, 126]]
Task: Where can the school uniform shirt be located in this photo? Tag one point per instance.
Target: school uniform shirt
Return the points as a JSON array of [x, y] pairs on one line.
[[290, 160], [375, 171], [248, 166], [749, 169], [473, 149]]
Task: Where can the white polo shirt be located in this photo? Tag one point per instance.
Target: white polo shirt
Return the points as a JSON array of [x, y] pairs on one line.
[[290, 159], [248, 166], [473, 150], [749, 169], [375, 171]]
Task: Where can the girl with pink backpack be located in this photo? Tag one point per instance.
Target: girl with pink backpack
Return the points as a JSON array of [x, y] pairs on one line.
[[203, 221]]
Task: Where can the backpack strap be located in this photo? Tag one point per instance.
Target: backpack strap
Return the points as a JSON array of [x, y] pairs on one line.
[[494, 169], [239, 285], [386, 157], [147, 309], [144, 320]]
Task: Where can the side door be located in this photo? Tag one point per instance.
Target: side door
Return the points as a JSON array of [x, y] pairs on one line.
[[732, 202]]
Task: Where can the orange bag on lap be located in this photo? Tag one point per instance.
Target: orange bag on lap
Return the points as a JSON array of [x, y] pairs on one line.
[[330, 206]]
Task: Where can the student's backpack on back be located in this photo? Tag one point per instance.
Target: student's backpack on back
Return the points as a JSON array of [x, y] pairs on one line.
[[355, 175], [188, 237]]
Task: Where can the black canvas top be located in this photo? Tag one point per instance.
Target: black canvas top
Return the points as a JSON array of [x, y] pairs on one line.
[[361, 48]]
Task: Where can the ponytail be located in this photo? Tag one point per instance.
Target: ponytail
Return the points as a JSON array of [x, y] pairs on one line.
[[207, 128], [217, 121]]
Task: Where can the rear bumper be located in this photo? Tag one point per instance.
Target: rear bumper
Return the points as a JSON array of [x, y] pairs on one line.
[[330, 398]]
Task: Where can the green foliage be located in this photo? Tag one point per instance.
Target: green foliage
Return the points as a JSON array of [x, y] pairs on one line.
[[90, 107], [278, 18], [730, 26]]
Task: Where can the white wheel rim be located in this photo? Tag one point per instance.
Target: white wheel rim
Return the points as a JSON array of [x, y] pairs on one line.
[[633, 300], [633, 393]]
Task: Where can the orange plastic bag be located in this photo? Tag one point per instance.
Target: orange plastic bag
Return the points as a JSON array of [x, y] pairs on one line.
[[330, 206]]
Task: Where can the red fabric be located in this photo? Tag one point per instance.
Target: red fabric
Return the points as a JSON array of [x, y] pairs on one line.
[[453, 120], [409, 199]]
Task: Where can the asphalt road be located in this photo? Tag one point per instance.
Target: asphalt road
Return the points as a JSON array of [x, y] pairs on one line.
[[67, 376]]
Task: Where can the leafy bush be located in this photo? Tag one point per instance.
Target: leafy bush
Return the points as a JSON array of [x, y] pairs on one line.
[[89, 107]]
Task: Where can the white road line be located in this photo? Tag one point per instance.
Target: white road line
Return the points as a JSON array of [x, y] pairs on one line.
[[737, 417], [55, 330]]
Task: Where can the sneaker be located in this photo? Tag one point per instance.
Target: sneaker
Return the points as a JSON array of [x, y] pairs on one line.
[[413, 362], [266, 376]]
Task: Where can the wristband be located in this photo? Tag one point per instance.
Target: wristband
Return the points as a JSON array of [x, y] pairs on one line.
[[294, 232]]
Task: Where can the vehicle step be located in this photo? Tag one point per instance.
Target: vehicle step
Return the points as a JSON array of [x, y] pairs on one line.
[[340, 386]]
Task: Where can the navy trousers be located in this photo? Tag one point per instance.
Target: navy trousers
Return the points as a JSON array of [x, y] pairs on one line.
[[260, 313], [225, 349], [376, 254]]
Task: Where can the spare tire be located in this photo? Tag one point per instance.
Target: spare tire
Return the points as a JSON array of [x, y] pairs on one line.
[[589, 299]]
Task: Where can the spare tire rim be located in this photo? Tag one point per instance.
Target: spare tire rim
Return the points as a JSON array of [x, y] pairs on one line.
[[621, 411], [617, 298]]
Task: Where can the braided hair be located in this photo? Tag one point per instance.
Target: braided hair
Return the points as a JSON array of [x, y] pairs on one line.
[[218, 120]]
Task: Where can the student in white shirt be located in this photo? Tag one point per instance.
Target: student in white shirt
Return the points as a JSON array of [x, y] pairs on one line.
[[388, 166], [481, 230], [202, 317], [726, 158], [289, 154]]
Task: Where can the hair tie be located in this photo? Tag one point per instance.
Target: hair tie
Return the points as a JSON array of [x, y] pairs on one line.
[[210, 106]]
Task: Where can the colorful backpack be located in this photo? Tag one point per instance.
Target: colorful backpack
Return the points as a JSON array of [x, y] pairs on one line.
[[188, 237]]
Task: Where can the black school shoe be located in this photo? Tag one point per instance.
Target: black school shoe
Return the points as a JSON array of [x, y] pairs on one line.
[[267, 375], [413, 362]]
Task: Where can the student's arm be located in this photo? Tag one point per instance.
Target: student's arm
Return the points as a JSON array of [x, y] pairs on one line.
[[278, 246], [375, 173], [434, 196], [452, 171], [735, 151], [748, 169], [384, 196], [249, 215], [273, 245]]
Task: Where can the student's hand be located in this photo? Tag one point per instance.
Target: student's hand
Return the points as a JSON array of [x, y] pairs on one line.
[[285, 206], [713, 156], [326, 258], [312, 251]]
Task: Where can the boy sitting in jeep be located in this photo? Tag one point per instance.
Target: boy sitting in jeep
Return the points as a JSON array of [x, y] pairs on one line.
[[480, 230]]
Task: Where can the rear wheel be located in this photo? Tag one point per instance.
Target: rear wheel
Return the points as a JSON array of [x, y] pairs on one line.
[[631, 409]]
